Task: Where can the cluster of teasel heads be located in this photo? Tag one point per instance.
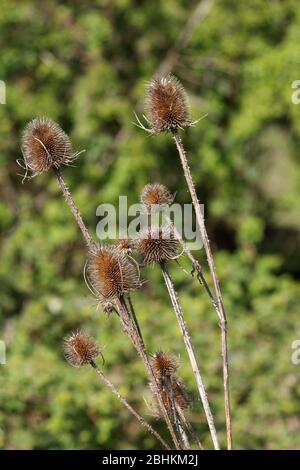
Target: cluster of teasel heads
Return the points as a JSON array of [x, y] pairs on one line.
[[112, 272]]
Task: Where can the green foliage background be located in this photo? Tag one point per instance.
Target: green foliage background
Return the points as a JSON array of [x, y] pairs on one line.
[[85, 65]]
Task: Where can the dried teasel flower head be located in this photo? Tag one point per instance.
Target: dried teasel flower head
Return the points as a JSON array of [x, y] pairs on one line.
[[80, 349], [163, 364], [167, 106], [45, 145], [156, 244], [110, 273], [154, 196]]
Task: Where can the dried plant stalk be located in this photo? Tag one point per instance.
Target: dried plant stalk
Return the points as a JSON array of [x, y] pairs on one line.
[[220, 307], [74, 209], [191, 354], [123, 400], [133, 332]]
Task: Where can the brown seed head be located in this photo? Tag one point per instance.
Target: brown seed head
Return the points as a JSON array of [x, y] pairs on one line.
[[154, 196], [45, 145], [167, 106], [163, 364], [157, 244], [110, 273], [80, 349]]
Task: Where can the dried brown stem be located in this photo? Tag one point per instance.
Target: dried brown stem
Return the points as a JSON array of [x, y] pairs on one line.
[[74, 209], [132, 331], [220, 310], [191, 354], [123, 400]]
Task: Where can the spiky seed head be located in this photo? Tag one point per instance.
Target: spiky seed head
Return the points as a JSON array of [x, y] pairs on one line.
[[167, 106], [110, 273], [124, 245], [156, 244], [80, 349], [45, 145], [154, 196], [163, 364]]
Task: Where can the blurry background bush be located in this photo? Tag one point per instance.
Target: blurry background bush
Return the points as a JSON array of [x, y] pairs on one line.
[[85, 65]]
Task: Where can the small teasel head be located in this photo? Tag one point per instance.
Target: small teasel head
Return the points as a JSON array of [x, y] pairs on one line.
[[110, 273], [45, 145], [163, 364], [80, 349], [167, 106], [156, 244], [154, 196]]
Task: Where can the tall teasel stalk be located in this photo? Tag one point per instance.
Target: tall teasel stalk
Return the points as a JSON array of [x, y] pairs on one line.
[[45, 146], [157, 244], [80, 349], [167, 110], [112, 276]]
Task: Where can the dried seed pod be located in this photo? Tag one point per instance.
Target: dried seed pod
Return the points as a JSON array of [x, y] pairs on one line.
[[154, 196], [110, 273], [157, 244], [167, 106], [163, 364], [80, 349], [45, 145]]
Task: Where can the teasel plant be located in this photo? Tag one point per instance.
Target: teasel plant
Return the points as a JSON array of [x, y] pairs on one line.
[[174, 394], [111, 276], [167, 110], [45, 146], [156, 197], [81, 349], [157, 244]]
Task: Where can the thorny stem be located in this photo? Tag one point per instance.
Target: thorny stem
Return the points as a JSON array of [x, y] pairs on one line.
[[123, 400], [189, 427], [132, 331], [177, 419], [74, 209], [191, 354], [220, 311]]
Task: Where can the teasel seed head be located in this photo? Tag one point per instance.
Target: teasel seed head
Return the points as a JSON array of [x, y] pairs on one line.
[[163, 364], [80, 349], [167, 106], [157, 244], [110, 273], [45, 145], [154, 196]]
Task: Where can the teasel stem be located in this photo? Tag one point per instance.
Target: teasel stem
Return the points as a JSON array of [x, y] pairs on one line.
[[74, 209], [132, 331], [220, 310], [195, 263], [177, 419], [189, 427], [123, 400], [191, 354]]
